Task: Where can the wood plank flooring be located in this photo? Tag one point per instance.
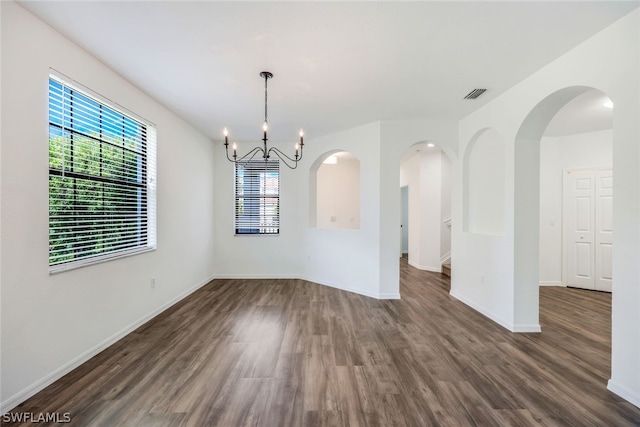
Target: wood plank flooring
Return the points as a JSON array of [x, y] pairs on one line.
[[293, 353]]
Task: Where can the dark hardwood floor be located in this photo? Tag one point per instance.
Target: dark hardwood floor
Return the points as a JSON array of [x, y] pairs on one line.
[[292, 353]]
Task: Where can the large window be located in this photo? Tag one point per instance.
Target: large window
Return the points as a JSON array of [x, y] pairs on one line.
[[101, 175], [257, 197]]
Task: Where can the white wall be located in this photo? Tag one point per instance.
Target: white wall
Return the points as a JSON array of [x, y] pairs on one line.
[[608, 62], [422, 172], [485, 184], [430, 211], [338, 194], [445, 207], [52, 323], [410, 177], [345, 258], [257, 256], [579, 151]]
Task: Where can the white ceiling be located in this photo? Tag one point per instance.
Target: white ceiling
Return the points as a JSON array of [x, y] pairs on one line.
[[336, 64], [584, 113]]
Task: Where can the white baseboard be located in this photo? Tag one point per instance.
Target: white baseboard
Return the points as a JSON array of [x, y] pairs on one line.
[[527, 328], [518, 328], [551, 283], [358, 291], [49, 379], [624, 392], [389, 296], [507, 325], [334, 285], [256, 276], [436, 269], [446, 257]]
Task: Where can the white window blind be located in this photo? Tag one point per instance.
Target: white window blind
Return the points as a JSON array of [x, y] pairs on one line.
[[257, 202], [101, 179]]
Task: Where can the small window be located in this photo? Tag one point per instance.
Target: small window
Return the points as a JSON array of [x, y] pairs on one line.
[[257, 201], [101, 171]]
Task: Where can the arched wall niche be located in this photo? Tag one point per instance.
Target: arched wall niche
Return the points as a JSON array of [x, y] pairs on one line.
[[334, 191], [484, 171]]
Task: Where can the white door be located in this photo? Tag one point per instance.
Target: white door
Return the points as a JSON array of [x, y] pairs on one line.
[[587, 220], [603, 229]]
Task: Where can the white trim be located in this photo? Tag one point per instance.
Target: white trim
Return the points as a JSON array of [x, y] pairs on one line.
[[52, 377], [527, 328], [517, 328], [483, 311], [437, 269], [552, 283], [68, 81], [316, 281], [256, 276], [447, 222], [358, 291], [624, 392], [389, 296], [109, 256], [446, 257]]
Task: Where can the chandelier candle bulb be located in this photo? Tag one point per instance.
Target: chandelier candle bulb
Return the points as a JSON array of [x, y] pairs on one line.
[[301, 135], [226, 136], [297, 146]]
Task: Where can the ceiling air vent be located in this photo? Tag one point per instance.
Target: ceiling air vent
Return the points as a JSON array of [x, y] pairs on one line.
[[475, 93]]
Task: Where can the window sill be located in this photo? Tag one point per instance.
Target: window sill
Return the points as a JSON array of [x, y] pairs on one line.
[[72, 265]]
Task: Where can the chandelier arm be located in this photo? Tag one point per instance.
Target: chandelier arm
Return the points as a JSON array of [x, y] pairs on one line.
[[280, 153], [251, 153], [283, 157], [226, 149], [245, 162]]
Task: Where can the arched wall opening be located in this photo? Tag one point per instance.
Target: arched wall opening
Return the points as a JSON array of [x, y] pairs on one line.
[[576, 195], [425, 177], [527, 203], [484, 171], [334, 191]]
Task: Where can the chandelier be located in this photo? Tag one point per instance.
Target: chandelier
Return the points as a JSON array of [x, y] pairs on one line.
[[265, 151]]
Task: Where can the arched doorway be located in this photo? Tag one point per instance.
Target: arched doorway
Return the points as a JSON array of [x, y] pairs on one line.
[[527, 204], [425, 180]]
